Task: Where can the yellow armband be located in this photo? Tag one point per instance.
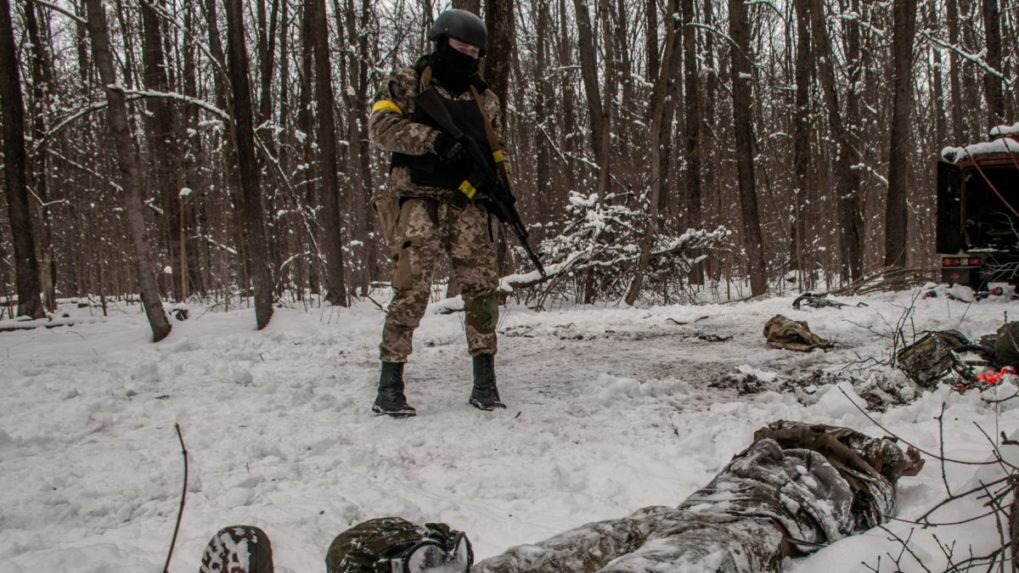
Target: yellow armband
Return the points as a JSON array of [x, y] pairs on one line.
[[386, 105]]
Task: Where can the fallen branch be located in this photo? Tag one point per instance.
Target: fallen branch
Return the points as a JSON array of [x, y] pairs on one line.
[[183, 496]]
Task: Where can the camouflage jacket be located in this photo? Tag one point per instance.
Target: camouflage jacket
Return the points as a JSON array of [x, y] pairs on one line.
[[392, 128], [358, 549]]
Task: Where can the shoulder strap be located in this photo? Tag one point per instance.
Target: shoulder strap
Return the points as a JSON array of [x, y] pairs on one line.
[[425, 78], [493, 139]]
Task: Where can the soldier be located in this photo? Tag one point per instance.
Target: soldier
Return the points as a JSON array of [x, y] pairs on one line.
[[425, 212], [384, 545]]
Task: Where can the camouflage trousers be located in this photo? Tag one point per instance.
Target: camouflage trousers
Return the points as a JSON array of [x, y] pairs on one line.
[[427, 228]]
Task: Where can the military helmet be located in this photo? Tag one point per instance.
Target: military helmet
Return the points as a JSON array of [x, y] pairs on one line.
[[462, 25]]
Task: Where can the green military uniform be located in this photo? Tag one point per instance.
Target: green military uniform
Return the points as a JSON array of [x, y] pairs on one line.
[[434, 206], [359, 549], [424, 223]]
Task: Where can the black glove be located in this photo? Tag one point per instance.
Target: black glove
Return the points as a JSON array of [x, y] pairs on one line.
[[450, 150]]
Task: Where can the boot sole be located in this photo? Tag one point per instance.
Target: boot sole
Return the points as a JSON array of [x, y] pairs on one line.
[[394, 413], [486, 407]]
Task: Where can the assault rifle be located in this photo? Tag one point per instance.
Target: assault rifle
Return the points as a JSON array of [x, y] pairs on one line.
[[500, 201]]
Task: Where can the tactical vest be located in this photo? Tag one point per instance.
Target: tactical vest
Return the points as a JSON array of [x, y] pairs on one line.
[[428, 170]]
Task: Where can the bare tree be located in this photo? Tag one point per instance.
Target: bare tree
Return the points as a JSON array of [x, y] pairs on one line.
[[42, 94], [244, 140], [161, 132], [336, 291], [128, 165], [599, 115], [660, 128], [692, 100], [801, 135], [26, 264], [847, 181], [742, 98], [954, 75], [896, 216], [993, 80]]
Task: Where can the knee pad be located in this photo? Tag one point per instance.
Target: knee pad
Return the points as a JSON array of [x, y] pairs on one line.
[[482, 313]]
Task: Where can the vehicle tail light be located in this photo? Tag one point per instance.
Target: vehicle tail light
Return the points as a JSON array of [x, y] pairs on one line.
[[950, 262], [975, 261]]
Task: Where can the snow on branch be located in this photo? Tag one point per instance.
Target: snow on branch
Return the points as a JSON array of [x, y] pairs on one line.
[[974, 58], [63, 11], [182, 98]]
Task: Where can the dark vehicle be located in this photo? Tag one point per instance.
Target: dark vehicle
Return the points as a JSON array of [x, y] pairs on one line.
[[977, 233]]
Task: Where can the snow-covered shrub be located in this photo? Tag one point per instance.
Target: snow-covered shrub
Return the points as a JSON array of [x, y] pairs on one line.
[[599, 245]]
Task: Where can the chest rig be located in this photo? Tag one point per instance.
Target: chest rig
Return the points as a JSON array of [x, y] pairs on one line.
[[428, 170]]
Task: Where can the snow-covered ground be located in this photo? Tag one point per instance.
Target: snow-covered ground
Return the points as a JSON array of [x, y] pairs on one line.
[[611, 409]]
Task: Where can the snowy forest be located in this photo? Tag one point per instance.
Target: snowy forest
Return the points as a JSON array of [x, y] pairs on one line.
[[212, 150], [699, 179]]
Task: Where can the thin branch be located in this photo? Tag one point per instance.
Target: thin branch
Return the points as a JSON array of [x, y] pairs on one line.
[[917, 448], [183, 497], [63, 11]]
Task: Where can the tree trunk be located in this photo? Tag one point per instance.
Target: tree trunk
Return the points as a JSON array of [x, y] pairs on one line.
[[658, 132], [166, 151], [469, 5], [266, 57], [651, 44], [129, 166], [692, 100], [26, 264], [501, 44], [42, 95], [304, 126], [896, 216], [336, 291], [499, 20], [543, 103], [709, 153], [190, 248], [955, 83], [847, 183], [993, 83], [742, 99], [598, 113], [360, 147], [801, 138], [936, 83], [247, 162]]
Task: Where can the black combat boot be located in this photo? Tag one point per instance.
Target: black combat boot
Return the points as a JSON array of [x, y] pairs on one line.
[[484, 395], [391, 400]]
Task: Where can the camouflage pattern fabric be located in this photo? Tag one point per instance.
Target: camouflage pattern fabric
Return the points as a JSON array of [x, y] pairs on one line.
[[238, 549], [796, 489], [419, 224], [358, 549], [1006, 347], [391, 128], [935, 355], [788, 334], [426, 228]]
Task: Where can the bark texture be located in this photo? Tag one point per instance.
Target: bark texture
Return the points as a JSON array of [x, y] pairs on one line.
[[742, 101], [26, 265], [128, 165], [896, 216], [336, 290], [244, 138]]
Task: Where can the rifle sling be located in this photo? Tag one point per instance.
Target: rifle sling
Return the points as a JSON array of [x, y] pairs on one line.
[[493, 139]]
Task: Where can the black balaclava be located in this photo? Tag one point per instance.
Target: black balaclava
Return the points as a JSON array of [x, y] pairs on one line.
[[455, 69]]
